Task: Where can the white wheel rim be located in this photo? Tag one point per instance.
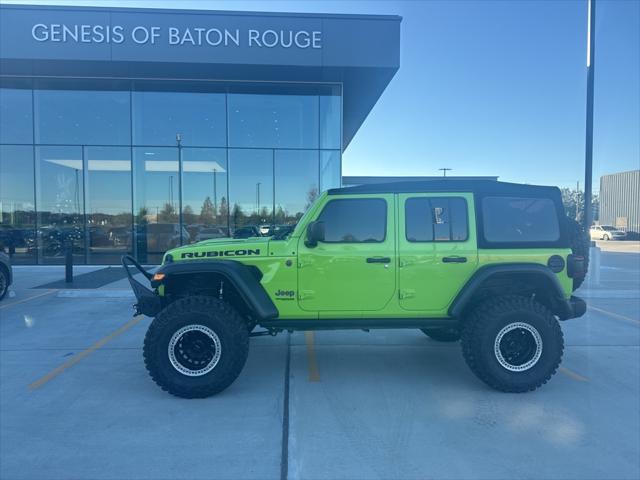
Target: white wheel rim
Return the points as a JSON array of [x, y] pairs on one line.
[[528, 364], [175, 342]]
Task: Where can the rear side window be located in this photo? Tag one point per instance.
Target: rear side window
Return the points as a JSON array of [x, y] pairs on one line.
[[436, 219], [357, 220], [520, 220]]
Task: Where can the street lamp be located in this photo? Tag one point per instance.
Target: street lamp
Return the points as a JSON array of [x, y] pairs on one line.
[[588, 154]]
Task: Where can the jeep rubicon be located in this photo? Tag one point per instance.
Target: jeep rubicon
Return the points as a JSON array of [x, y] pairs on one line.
[[488, 263]]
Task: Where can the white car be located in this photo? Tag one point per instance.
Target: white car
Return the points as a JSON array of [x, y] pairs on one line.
[[606, 232]]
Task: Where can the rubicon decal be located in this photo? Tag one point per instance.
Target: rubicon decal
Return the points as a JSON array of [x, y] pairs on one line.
[[221, 253]]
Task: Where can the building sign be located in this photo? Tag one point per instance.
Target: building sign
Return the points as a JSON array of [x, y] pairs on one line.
[[178, 36]]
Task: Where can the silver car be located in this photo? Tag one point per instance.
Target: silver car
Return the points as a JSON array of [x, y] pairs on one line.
[[6, 274], [606, 232]]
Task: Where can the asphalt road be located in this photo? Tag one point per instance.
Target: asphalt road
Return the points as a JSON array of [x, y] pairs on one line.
[[77, 403]]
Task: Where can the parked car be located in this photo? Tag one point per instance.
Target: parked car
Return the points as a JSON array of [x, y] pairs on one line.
[[606, 232], [247, 232], [6, 274], [210, 233]]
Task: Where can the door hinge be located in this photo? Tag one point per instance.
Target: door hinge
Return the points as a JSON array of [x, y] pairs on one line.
[[403, 294], [304, 294]]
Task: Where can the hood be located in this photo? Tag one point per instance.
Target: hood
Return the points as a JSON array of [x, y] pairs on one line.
[[226, 248]]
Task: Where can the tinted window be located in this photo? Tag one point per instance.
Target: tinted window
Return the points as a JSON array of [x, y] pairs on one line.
[[355, 221], [15, 116], [436, 219], [517, 219], [82, 117]]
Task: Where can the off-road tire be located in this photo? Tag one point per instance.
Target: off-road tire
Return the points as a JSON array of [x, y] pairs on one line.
[[442, 334], [209, 312], [480, 332], [4, 282], [580, 243]]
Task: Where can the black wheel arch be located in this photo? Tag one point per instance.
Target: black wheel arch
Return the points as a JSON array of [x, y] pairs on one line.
[[513, 278], [241, 282]]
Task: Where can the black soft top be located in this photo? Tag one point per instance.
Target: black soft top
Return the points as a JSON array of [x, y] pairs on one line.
[[458, 186]]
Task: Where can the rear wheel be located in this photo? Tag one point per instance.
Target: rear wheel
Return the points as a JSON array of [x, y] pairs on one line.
[[4, 282], [196, 347], [442, 334], [512, 343]]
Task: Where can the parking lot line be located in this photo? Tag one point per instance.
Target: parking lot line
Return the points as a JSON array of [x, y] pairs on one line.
[[76, 358], [26, 299], [314, 372], [615, 315], [574, 375]]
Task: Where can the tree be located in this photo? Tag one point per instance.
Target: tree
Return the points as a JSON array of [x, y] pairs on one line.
[[188, 217], [224, 209], [141, 217], [207, 212], [312, 195], [573, 201], [167, 214]]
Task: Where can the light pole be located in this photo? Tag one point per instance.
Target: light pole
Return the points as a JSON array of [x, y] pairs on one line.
[[258, 198], [588, 154], [445, 170]]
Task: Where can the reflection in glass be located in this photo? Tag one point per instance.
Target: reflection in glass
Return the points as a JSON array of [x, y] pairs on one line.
[[156, 202], [82, 117], [199, 118], [330, 171], [60, 200], [16, 121], [278, 121], [17, 212], [296, 180], [250, 187], [205, 202], [108, 203], [330, 127]]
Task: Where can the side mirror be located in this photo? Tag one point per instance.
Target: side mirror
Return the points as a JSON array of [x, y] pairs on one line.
[[315, 234]]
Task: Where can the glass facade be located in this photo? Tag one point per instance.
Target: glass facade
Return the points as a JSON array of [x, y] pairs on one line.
[[140, 167]]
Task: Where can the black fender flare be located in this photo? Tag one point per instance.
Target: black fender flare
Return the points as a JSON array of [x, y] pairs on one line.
[[241, 276], [563, 307]]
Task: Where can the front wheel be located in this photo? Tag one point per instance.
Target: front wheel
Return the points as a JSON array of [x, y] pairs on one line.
[[605, 237], [4, 283], [512, 343], [196, 347]]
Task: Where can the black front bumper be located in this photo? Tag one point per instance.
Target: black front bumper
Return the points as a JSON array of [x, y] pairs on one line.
[[147, 301]]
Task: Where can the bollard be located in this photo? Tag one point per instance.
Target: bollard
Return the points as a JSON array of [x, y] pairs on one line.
[[594, 265], [68, 261]]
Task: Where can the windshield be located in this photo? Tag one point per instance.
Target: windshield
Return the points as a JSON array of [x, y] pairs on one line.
[[608, 228]]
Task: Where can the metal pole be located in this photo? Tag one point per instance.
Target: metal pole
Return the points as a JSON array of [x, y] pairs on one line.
[[588, 156]]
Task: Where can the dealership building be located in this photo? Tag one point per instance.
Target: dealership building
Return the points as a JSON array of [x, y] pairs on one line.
[[136, 130]]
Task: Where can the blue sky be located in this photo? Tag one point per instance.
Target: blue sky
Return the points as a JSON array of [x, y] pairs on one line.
[[489, 87]]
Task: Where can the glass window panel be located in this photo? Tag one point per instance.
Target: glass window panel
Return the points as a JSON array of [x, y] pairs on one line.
[[278, 121], [440, 219], [17, 203], [251, 188], [16, 116], [354, 221], [156, 202], [330, 127], [516, 219], [108, 203], [199, 118], [296, 179], [205, 201], [60, 200], [330, 172], [82, 117]]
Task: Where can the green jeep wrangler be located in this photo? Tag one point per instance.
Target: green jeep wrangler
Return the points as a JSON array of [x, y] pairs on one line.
[[488, 263]]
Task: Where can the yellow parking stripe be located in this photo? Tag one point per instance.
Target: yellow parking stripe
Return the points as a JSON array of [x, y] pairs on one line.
[[26, 299], [314, 372], [574, 375], [76, 358], [615, 315]]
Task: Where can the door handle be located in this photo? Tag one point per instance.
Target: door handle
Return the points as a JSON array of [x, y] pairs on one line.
[[378, 260], [454, 259]]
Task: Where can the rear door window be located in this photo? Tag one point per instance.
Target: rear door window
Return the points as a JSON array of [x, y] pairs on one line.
[[520, 220], [436, 219]]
